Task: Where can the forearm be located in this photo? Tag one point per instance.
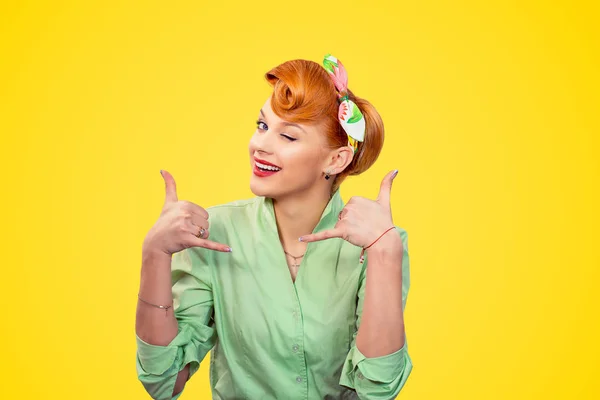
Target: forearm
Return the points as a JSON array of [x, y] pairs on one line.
[[182, 379], [381, 330], [154, 325]]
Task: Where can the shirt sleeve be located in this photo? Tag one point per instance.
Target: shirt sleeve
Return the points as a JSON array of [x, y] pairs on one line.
[[158, 366], [382, 377]]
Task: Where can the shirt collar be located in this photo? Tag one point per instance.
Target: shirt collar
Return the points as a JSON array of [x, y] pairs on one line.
[[328, 218]]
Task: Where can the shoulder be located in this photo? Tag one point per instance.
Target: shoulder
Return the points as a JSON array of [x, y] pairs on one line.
[[234, 208], [232, 215], [223, 218]]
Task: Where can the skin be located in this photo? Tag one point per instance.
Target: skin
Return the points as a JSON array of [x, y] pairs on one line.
[[362, 222], [299, 191], [176, 229], [300, 194]]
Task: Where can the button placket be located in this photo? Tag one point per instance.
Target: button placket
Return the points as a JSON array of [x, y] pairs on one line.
[[296, 347]]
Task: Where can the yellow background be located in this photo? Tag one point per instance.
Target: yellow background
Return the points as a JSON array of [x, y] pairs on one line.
[[491, 114]]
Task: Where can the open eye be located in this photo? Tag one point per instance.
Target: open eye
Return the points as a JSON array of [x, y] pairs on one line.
[[261, 125]]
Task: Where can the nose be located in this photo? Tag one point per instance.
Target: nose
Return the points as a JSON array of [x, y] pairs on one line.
[[262, 142]]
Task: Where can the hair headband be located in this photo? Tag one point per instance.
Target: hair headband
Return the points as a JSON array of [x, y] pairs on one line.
[[349, 115]]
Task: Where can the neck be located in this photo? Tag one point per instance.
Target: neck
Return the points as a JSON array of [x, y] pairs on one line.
[[299, 214]]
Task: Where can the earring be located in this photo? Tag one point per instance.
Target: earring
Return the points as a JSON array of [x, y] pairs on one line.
[[327, 174]]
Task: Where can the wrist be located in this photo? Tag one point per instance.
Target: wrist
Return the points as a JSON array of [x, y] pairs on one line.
[[153, 256], [389, 243]]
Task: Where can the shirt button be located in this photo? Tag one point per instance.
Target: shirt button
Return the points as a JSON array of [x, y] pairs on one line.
[[299, 379], [360, 375], [295, 348]]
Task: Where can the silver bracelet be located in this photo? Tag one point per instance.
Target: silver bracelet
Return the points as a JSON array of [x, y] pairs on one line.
[[166, 308]]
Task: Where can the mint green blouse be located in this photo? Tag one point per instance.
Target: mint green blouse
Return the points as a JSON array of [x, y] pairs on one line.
[[272, 338]]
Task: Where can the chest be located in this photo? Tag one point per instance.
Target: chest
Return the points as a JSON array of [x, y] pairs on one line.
[[265, 304]]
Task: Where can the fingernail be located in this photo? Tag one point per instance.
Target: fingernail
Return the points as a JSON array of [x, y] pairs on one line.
[[161, 172], [300, 239], [229, 249], [394, 174]]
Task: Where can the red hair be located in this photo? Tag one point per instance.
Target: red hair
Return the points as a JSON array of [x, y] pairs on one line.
[[303, 92]]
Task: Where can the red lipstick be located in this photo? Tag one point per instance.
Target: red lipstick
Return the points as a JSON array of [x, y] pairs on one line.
[[263, 173], [266, 162]]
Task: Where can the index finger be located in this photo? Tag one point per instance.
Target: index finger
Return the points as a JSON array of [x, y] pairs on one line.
[[209, 244], [323, 235]]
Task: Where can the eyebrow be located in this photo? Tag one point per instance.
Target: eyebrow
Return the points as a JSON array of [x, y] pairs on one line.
[[287, 123]]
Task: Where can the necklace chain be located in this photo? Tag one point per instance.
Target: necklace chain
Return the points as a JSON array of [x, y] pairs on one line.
[[295, 265]]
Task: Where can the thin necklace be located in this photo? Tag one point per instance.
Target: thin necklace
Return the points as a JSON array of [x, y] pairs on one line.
[[295, 265]]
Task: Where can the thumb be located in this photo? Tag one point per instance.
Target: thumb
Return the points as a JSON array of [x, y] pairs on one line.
[[170, 187], [385, 190]]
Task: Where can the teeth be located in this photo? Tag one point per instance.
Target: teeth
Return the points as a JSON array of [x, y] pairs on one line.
[[268, 167]]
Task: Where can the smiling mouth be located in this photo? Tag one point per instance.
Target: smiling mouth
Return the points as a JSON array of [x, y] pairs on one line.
[[265, 167]]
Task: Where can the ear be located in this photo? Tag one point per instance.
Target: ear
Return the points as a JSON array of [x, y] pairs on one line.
[[339, 159]]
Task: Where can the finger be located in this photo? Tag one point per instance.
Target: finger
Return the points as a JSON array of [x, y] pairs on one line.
[[206, 234], [385, 190], [199, 222], [343, 213], [201, 233], [209, 244], [327, 234], [196, 230], [170, 187], [195, 208]]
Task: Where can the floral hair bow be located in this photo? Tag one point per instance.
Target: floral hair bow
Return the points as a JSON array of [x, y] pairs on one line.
[[350, 117]]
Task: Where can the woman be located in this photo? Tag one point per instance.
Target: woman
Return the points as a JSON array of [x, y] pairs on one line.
[[318, 329]]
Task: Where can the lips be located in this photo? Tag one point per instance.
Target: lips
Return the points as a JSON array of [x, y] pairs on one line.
[[266, 162], [262, 170]]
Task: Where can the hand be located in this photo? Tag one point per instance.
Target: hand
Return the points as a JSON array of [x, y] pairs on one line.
[[178, 225], [362, 220]]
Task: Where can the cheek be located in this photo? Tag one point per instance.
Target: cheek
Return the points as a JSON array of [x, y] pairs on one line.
[[303, 158]]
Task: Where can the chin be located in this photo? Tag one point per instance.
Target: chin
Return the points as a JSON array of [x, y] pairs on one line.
[[261, 189], [274, 187]]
